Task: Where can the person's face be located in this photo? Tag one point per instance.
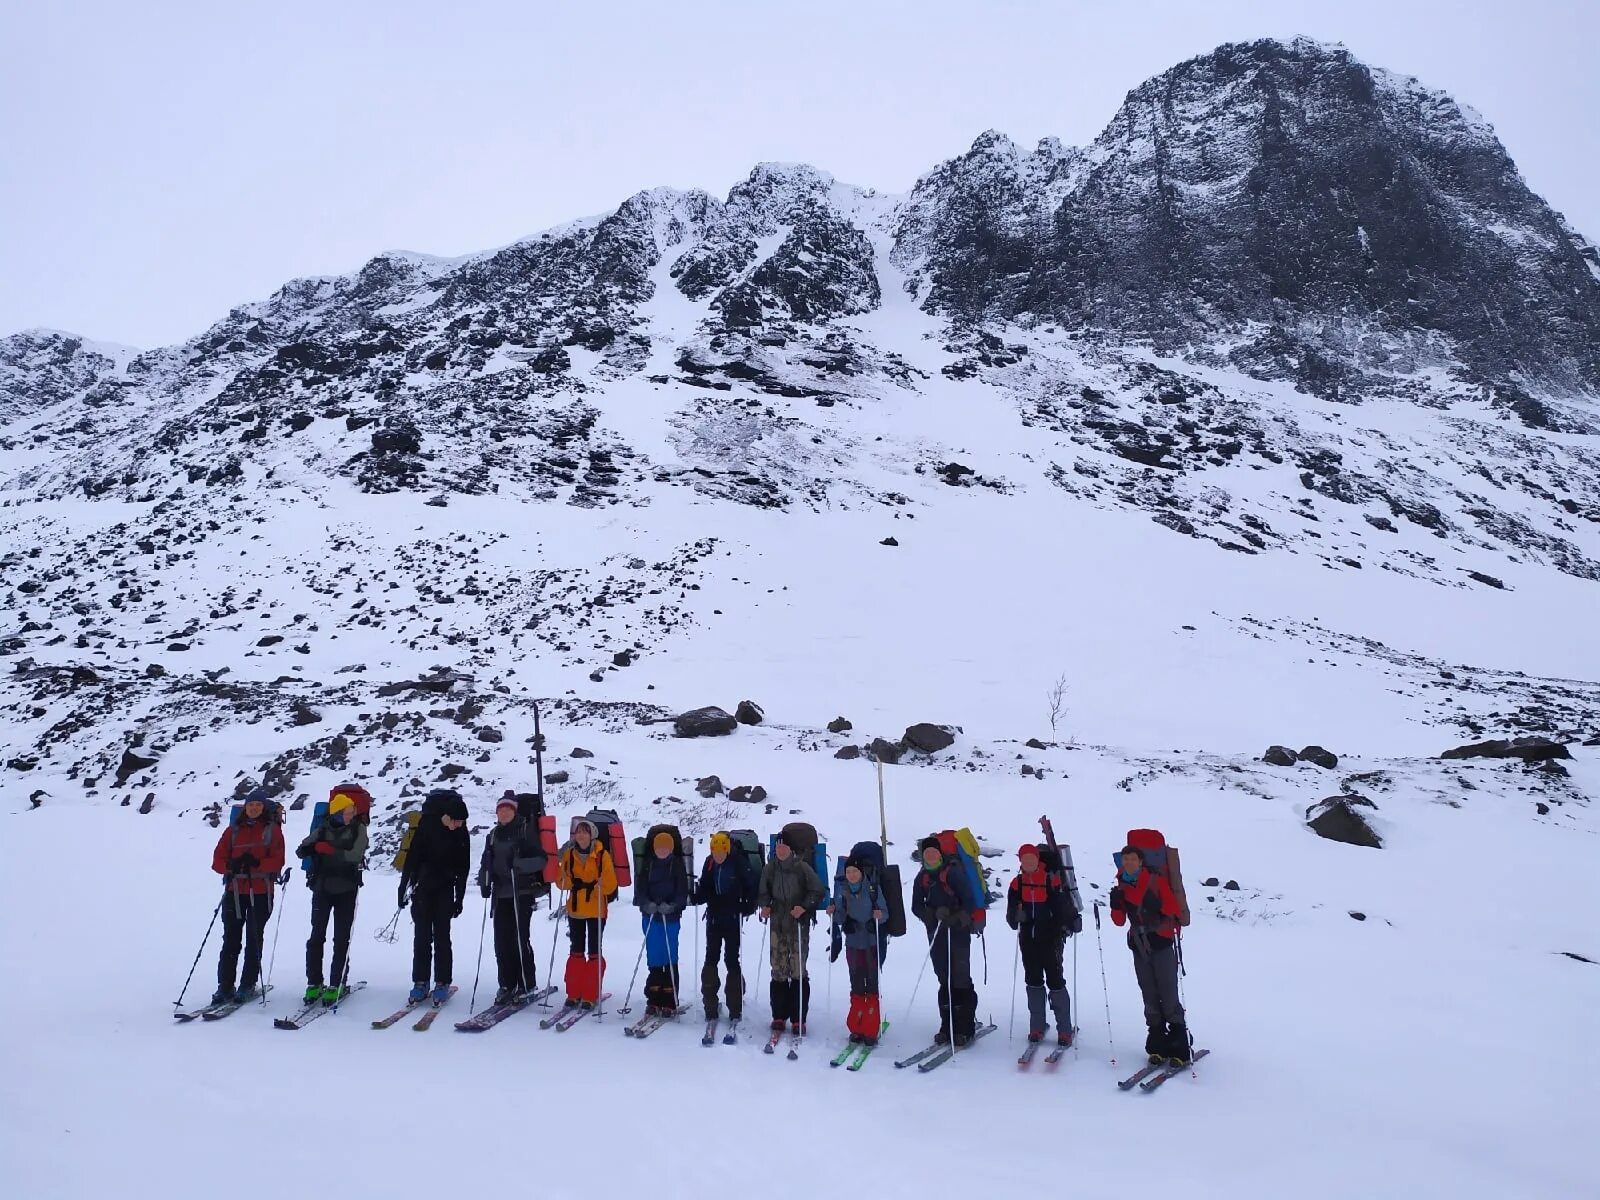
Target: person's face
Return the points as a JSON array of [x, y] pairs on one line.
[[663, 851], [1131, 864], [583, 837], [782, 852], [343, 815], [450, 822], [253, 809], [719, 857], [931, 858], [852, 875], [505, 814], [1030, 863]]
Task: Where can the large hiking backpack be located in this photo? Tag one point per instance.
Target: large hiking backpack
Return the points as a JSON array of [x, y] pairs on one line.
[[959, 847], [887, 877], [609, 833], [748, 849], [1161, 859], [431, 805], [530, 809], [643, 852], [1058, 863], [808, 847]]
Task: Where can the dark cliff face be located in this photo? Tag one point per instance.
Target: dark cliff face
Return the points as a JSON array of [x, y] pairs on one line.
[[1289, 194]]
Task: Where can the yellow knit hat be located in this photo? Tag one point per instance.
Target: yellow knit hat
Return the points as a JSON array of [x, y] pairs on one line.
[[339, 803]]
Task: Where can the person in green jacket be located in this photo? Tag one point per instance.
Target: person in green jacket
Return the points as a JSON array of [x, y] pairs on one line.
[[337, 845]]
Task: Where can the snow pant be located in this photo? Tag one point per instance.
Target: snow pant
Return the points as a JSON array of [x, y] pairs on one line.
[[1041, 958], [951, 951], [584, 935], [661, 953], [513, 949], [788, 949], [1157, 972], [585, 968], [791, 999], [864, 1015], [722, 944], [343, 910], [431, 913], [243, 924]]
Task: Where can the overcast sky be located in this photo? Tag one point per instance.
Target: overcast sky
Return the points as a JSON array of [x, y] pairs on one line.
[[162, 161]]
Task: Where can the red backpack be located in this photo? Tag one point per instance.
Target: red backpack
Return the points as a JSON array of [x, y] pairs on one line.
[[1162, 859]]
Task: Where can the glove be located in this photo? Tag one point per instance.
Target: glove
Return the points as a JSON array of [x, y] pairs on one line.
[[323, 848], [1116, 899], [236, 865], [1151, 902], [1012, 921], [942, 914], [250, 861], [484, 889], [456, 912], [649, 908], [978, 918], [401, 899]]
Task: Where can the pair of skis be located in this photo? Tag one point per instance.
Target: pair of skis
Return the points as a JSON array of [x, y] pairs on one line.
[[932, 1057], [310, 1012], [855, 1054], [650, 1022], [495, 1013], [1149, 1078], [215, 1012], [568, 1015], [776, 1040], [731, 1038], [1031, 1051], [430, 1013]]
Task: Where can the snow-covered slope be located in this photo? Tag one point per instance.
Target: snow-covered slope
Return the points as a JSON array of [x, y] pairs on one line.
[[1239, 462]]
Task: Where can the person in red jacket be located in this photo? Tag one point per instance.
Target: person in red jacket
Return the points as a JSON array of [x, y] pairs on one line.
[[1144, 902], [249, 857]]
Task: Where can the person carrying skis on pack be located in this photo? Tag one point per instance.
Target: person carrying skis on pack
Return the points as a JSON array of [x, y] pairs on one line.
[[1039, 908], [249, 857], [435, 876], [941, 899], [727, 891], [788, 896], [858, 911], [336, 846], [662, 892], [1144, 901], [509, 875], [589, 878]]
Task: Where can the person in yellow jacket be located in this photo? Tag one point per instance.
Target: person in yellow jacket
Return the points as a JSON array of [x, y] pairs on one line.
[[589, 878]]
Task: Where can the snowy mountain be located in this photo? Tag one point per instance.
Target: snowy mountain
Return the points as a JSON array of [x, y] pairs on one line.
[[1272, 416]]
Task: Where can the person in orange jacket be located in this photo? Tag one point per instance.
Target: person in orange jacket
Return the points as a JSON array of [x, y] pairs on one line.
[[1144, 902], [589, 878], [249, 857]]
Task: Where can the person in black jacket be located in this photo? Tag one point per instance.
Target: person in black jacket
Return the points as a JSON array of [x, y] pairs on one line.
[[727, 889], [1039, 908], [941, 898], [511, 874], [435, 874], [662, 893]]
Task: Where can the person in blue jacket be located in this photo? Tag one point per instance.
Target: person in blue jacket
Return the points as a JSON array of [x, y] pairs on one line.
[[662, 893], [727, 890]]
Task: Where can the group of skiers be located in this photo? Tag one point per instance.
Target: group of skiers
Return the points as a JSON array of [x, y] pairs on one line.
[[519, 863]]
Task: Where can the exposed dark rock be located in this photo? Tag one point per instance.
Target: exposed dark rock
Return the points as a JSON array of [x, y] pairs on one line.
[[748, 713], [1337, 821], [748, 794], [710, 721], [1528, 749], [622, 658], [271, 639], [491, 735], [1317, 756], [708, 787], [847, 752], [889, 541], [1231, 886], [1209, 882], [580, 752], [928, 738], [305, 715], [131, 765], [885, 751], [1358, 916], [839, 725], [1034, 744], [557, 777], [1280, 756]]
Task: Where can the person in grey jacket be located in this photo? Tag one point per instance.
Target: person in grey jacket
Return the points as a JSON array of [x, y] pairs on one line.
[[788, 897], [858, 910]]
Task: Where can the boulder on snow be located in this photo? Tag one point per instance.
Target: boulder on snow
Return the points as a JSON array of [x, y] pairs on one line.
[[580, 752], [1319, 757], [885, 751], [304, 714], [748, 713], [839, 725], [710, 721], [1528, 749], [131, 765], [709, 786], [1337, 820], [847, 752], [1280, 756], [557, 777], [929, 739], [747, 794]]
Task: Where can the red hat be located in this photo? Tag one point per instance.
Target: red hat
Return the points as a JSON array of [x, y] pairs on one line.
[[1026, 849]]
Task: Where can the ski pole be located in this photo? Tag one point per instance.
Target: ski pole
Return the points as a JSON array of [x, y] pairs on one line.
[[1011, 1034], [627, 1002], [984, 943], [761, 956], [949, 983], [344, 976], [1074, 997], [277, 926], [550, 971], [178, 1003], [921, 971], [516, 914], [600, 960], [1105, 993], [483, 925], [387, 934]]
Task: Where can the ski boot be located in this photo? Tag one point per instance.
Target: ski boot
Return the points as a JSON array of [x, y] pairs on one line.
[[798, 1028], [506, 995], [223, 994], [855, 1039], [942, 1038], [1155, 1045], [313, 993], [247, 993], [1063, 1038], [332, 995], [441, 993], [1036, 1035], [418, 993], [1179, 1053]]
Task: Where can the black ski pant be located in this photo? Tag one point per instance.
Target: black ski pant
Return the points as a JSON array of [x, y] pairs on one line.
[[1042, 953], [723, 945], [951, 951], [1157, 972], [244, 923], [863, 965], [432, 910], [343, 911], [584, 933], [513, 948]]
